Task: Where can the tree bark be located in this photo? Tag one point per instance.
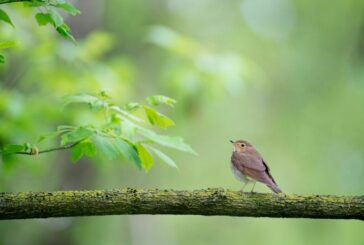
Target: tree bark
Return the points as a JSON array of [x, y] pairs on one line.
[[25, 205]]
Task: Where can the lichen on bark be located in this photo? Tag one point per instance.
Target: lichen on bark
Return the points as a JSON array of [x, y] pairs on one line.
[[24, 205]]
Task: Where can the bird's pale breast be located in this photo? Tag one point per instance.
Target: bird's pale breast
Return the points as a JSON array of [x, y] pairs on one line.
[[238, 174]]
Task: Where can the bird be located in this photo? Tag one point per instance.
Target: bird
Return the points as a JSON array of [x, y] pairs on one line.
[[248, 166]]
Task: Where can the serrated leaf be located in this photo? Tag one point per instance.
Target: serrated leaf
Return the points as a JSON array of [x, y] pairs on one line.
[[145, 157], [43, 19], [83, 148], [157, 118], [164, 140], [128, 151], [76, 135], [5, 17], [160, 99], [165, 158], [12, 148], [68, 8], [92, 101], [7, 44]]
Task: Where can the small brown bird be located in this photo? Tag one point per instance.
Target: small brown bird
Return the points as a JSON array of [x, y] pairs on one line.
[[248, 166]]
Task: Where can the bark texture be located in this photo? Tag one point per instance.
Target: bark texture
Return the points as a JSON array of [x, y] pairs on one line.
[[25, 205]]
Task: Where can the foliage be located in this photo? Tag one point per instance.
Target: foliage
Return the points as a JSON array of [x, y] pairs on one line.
[[121, 133], [300, 106], [48, 14]]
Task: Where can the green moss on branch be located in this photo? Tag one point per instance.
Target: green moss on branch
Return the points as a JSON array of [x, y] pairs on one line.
[[24, 205]]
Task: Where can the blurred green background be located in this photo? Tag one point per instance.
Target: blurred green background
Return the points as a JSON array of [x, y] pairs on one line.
[[285, 75]]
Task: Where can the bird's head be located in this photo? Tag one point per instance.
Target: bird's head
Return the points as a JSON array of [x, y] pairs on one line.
[[241, 145]]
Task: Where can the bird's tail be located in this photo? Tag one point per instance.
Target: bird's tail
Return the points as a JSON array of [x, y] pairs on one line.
[[275, 188]]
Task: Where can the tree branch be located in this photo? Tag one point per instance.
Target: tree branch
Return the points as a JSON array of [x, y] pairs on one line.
[[24, 205], [13, 1], [35, 151]]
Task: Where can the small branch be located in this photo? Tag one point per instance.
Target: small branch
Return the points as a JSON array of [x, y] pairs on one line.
[[13, 1], [25, 205], [35, 151]]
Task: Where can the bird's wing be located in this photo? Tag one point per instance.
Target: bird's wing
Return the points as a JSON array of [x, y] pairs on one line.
[[268, 172], [253, 164], [248, 160], [264, 177], [261, 176]]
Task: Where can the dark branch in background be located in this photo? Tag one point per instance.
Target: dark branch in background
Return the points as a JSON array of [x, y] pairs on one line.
[[35, 151], [25, 205], [14, 1]]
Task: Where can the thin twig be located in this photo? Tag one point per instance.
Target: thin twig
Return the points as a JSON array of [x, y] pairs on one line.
[[35, 152]]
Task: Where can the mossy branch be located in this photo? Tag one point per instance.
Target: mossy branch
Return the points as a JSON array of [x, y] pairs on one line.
[[25, 205]]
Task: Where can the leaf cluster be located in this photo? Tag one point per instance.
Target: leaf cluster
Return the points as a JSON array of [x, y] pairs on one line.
[[123, 132], [47, 14]]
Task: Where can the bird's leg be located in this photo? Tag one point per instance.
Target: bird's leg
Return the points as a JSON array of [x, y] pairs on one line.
[[252, 191], [242, 189]]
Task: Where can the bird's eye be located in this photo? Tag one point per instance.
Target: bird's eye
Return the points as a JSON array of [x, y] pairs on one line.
[[242, 145]]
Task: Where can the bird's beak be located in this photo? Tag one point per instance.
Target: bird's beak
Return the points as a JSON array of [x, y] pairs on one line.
[[232, 141]]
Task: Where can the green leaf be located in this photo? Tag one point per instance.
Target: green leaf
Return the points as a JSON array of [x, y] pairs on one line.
[[44, 19], [107, 147], [160, 99], [7, 44], [145, 157], [128, 151], [35, 3], [84, 148], [124, 114], [168, 141], [112, 148], [76, 135], [71, 9], [132, 106], [56, 18], [12, 148], [157, 118], [64, 31], [92, 101], [165, 158], [5, 17]]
